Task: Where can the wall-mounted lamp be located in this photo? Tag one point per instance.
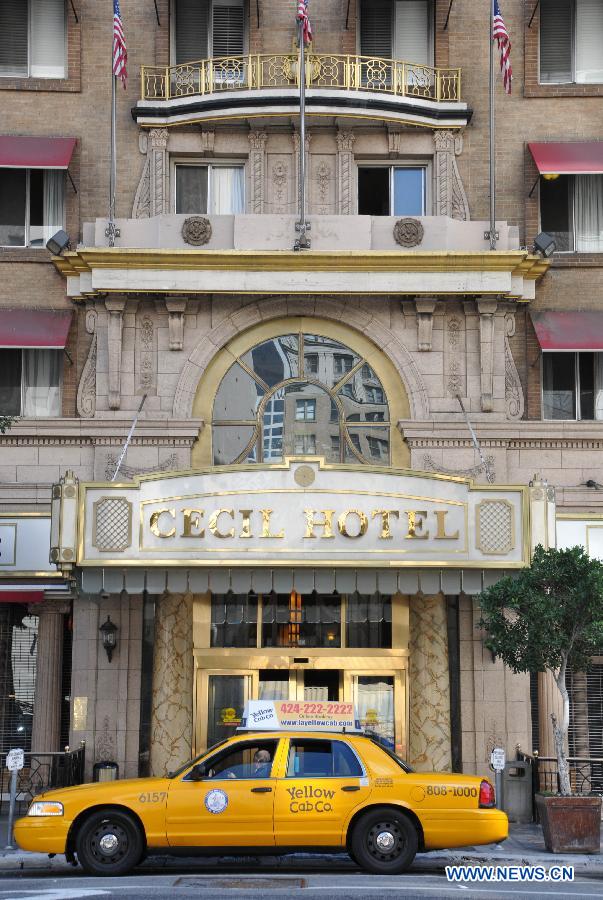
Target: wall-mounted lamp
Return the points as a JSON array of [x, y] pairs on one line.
[[544, 244], [58, 242], [550, 176], [109, 631]]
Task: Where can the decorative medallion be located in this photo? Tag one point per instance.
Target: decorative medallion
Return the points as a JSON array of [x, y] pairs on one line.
[[216, 801], [408, 232], [304, 476], [196, 230]]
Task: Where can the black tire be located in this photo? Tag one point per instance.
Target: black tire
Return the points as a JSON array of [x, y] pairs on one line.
[[384, 842], [108, 843]]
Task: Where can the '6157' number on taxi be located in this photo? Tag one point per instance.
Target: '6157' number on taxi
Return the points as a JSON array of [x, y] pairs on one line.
[[152, 797], [441, 790]]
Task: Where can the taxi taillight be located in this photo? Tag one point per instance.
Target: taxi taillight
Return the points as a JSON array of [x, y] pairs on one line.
[[487, 797]]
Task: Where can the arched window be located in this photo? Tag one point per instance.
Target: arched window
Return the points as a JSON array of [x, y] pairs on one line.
[[300, 395]]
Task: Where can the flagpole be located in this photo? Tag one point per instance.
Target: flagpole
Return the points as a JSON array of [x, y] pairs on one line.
[[302, 227], [492, 141], [111, 232]]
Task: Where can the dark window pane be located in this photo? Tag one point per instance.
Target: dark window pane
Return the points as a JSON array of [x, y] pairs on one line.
[[376, 28], [586, 365], [274, 360], [310, 759], [13, 38], [345, 762], [556, 41], [559, 385], [12, 207], [296, 620], [191, 189], [249, 760], [227, 696], [555, 210], [10, 382], [234, 620], [373, 191], [369, 620], [191, 29]]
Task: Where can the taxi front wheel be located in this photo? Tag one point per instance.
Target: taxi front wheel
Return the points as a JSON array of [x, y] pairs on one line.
[[384, 842], [109, 843]]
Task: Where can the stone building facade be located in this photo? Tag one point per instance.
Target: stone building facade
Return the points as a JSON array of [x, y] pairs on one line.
[[249, 353]]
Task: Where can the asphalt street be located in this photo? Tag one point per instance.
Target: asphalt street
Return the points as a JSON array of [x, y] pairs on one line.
[[275, 883]]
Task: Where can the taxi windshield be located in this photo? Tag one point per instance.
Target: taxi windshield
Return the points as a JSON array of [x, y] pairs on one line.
[[195, 760]]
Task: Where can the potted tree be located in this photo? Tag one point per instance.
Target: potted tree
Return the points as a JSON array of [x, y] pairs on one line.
[[550, 617]]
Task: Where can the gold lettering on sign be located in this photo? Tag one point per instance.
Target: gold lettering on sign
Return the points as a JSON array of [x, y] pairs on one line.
[[441, 532], [326, 524], [266, 533], [154, 523], [386, 514], [191, 519], [246, 527], [342, 523], [213, 523], [415, 524]]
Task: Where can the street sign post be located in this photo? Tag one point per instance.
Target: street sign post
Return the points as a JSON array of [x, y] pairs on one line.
[[497, 762], [15, 761]]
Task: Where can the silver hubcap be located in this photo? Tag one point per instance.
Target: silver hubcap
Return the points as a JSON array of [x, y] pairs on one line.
[[108, 843], [385, 841]]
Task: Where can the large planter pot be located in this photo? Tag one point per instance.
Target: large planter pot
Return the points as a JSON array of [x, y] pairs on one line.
[[570, 824]]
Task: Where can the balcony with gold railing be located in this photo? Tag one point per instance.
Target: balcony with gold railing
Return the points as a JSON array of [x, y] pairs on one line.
[[332, 80]]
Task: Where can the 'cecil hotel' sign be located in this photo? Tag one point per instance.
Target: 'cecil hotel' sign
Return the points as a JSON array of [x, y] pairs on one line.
[[277, 515]]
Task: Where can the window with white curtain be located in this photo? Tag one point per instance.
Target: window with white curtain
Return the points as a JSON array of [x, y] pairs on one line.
[[571, 210], [397, 29], [30, 382], [211, 189], [208, 28], [33, 38], [32, 206], [571, 37], [572, 385]]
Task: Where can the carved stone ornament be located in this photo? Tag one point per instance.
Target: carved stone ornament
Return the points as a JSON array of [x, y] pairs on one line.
[[196, 230], [408, 232]]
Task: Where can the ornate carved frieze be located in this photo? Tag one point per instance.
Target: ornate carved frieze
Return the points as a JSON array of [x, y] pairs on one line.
[[175, 307], [145, 352], [322, 188], [279, 183], [345, 173], [208, 139], [115, 307], [86, 392], [514, 397], [430, 465], [257, 169], [408, 232], [158, 140], [170, 463], [196, 230], [425, 310], [141, 208], [486, 309], [450, 196]]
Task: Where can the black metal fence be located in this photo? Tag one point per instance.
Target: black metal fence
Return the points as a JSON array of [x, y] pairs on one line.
[[42, 771], [586, 775]]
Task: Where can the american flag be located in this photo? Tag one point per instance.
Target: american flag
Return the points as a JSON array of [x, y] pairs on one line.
[[501, 35], [120, 53], [302, 16]]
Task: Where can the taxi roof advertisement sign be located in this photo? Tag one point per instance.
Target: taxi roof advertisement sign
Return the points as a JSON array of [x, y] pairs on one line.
[[272, 715]]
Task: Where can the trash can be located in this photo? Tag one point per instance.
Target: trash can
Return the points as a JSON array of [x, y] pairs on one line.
[[517, 790], [106, 770]]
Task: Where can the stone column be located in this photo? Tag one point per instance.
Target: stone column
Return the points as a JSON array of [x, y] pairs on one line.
[[429, 733], [158, 189], [257, 170], [345, 173], [115, 307], [486, 309], [46, 728], [450, 197], [172, 703]]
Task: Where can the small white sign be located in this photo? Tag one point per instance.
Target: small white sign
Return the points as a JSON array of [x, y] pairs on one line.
[[497, 759], [15, 760]]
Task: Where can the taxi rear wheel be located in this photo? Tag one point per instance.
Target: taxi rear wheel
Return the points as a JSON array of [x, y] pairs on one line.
[[109, 843], [384, 842]]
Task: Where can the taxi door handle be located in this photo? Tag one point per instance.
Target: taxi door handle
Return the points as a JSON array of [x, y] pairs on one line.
[[351, 787], [261, 790]]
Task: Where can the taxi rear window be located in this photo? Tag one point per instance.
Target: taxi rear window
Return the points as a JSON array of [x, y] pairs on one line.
[[310, 758]]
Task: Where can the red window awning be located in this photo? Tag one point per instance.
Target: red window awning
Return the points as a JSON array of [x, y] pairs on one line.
[[568, 158], [13, 596], [35, 152], [29, 328], [561, 330]]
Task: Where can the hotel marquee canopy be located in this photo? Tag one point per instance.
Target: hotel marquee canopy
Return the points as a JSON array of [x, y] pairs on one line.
[[303, 525]]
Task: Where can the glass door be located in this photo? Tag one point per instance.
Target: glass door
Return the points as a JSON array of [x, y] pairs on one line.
[[221, 698], [379, 701]]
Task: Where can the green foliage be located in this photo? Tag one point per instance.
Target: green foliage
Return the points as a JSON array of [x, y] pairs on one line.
[[551, 613], [5, 423]]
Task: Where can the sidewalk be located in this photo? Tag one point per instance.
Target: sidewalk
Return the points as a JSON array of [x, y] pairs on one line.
[[524, 846]]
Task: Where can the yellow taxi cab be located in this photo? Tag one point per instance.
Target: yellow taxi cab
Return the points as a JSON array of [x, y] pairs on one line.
[[269, 791]]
